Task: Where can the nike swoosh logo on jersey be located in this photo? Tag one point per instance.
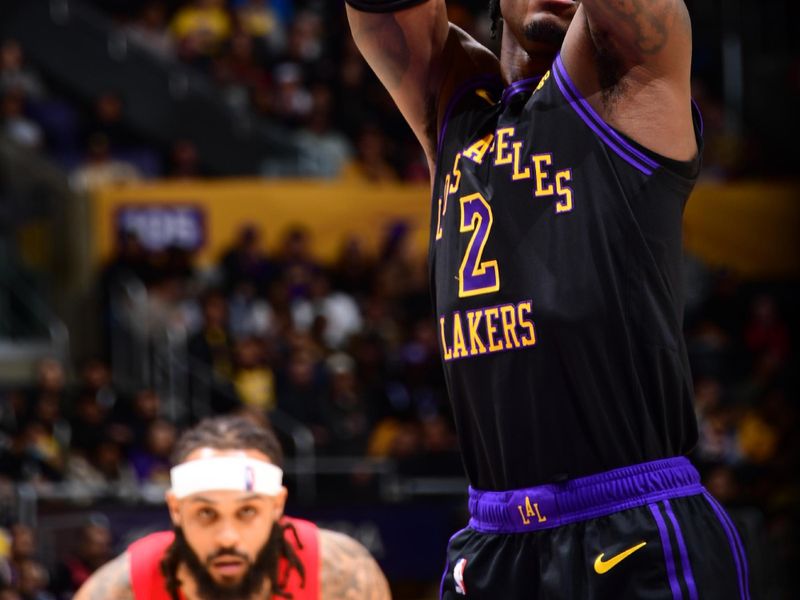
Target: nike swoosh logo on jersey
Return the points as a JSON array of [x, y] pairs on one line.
[[604, 566]]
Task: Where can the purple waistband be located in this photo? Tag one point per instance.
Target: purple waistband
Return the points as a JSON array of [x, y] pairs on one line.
[[556, 504]]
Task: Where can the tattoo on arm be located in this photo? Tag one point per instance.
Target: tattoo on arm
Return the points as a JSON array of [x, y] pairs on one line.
[[385, 45], [111, 582], [649, 21], [348, 572]]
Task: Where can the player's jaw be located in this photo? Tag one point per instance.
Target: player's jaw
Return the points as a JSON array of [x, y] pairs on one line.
[[229, 573]]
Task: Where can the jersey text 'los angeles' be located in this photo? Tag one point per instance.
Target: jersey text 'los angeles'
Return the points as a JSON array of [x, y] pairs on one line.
[[556, 275]]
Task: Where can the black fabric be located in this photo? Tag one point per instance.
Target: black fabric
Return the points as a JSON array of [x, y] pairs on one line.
[[558, 564], [383, 6], [575, 363]]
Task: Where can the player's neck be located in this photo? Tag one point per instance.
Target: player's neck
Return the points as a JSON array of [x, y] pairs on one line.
[[518, 63]]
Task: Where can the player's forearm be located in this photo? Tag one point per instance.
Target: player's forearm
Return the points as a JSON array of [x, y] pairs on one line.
[[643, 28], [400, 45]]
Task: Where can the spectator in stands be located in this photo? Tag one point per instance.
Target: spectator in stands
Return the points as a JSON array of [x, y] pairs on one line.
[[245, 261], [346, 413], [372, 163], [95, 380], [16, 126], [100, 168], [353, 270], [92, 551], [88, 423], [149, 30], [184, 161], [106, 119], [250, 314], [253, 378], [332, 316], [301, 391], [104, 473], [151, 462], [201, 27], [291, 102], [23, 547], [133, 419], [332, 148], [14, 75], [766, 334], [33, 581], [239, 71], [212, 346], [260, 20], [296, 263]]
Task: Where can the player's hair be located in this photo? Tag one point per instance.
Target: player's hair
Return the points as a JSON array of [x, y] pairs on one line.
[[237, 433], [495, 16], [228, 433]]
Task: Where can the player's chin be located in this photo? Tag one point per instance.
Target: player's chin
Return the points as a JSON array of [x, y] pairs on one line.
[[546, 30]]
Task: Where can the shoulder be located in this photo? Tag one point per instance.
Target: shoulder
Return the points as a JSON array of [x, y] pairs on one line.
[[112, 581], [347, 570]]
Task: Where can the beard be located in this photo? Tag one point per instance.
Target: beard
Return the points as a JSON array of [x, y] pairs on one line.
[[265, 566], [545, 31]]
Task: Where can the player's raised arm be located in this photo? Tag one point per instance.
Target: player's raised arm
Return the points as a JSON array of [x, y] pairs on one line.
[[403, 42], [112, 581], [347, 570], [654, 34], [632, 60]]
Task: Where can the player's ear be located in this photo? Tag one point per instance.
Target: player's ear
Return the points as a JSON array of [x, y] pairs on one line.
[[173, 504]]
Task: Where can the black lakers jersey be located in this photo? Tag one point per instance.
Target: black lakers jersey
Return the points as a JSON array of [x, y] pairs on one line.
[[556, 274]]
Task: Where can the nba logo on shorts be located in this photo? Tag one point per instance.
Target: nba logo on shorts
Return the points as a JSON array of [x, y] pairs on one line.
[[458, 576], [249, 479]]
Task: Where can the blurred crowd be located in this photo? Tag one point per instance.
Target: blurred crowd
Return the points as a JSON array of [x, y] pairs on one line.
[[291, 62]]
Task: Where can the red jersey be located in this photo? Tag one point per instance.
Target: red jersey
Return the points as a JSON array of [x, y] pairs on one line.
[[148, 582]]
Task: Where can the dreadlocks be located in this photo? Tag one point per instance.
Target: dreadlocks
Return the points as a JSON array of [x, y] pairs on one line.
[[495, 16], [234, 433]]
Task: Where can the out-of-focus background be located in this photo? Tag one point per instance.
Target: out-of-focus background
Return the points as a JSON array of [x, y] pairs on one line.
[[209, 206]]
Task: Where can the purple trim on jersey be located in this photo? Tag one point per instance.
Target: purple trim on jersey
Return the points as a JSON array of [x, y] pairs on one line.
[[669, 559], [447, 562], [583, 498], [523, 85], [461, 90], [611, 138], [592, 113], [688, 575], [735, 543], [699, 117]]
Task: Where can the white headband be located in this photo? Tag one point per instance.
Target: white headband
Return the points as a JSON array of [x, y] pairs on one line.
[[237, 473]]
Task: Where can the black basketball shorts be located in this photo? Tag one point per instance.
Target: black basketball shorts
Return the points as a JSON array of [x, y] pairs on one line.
[[648, 531]]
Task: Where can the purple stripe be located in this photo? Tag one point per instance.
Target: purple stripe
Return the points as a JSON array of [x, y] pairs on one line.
[[598, 119], [519, 86], [447, 563], [552, 505], [736, 546], [699, 117], [668, 558], [688, 576], [599, 132], [465, 87]]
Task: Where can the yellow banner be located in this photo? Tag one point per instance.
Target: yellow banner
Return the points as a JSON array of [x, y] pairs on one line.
[[752, 229]]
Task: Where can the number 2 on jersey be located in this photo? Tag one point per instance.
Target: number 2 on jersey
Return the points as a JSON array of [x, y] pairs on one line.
[[476, 276]]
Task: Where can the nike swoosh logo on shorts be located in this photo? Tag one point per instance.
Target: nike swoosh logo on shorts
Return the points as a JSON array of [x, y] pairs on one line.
[[604, 566]]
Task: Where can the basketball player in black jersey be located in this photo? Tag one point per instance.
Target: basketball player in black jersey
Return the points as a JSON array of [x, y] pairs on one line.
[[560, 174]]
